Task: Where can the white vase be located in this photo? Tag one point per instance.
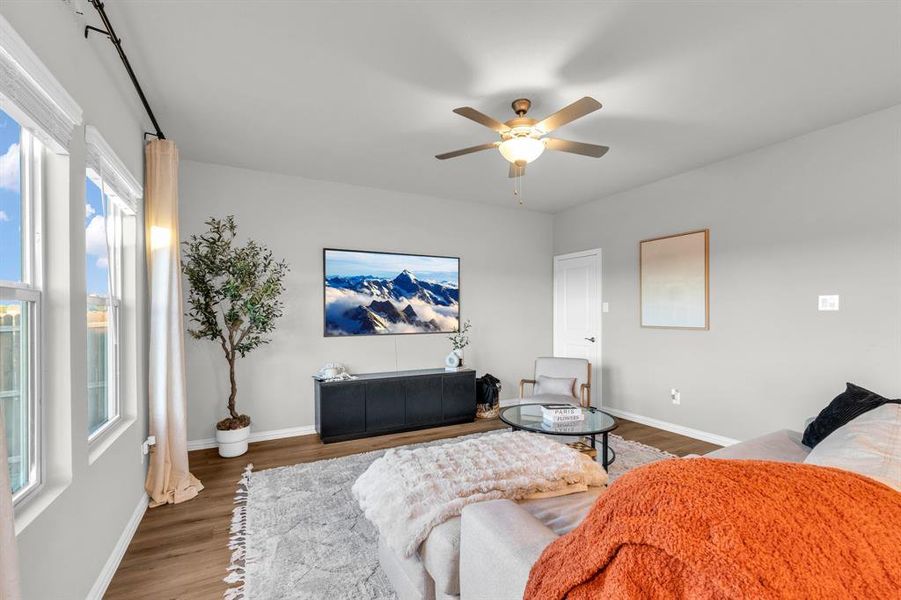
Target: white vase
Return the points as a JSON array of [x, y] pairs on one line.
[[454, 360], [232, 442]]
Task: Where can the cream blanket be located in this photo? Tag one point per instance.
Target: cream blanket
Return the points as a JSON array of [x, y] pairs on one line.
[[406, 493]]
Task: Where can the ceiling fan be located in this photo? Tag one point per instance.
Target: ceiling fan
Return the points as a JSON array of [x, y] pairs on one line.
[[523, 139]]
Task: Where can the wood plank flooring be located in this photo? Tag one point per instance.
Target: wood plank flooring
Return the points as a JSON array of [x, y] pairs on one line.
[[180, 551]]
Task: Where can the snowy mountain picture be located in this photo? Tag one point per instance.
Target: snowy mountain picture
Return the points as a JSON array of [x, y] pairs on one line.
[[373, 293]]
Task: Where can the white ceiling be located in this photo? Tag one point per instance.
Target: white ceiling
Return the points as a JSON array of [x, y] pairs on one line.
[[362, 92]]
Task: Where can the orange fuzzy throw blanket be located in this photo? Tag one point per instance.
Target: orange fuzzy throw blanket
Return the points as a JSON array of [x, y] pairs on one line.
[[708, 528]]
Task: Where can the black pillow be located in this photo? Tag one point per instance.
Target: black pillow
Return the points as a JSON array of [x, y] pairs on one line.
[[848, 405]]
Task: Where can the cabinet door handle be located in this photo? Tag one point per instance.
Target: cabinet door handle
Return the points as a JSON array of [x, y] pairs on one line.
[[591, 339]]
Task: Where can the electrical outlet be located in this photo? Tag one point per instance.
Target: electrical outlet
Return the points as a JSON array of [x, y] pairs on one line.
[[676, 396], [145, 447], [827, 303]]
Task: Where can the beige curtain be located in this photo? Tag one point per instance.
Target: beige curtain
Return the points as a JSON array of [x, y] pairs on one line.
[[168, 479], [9, 558]]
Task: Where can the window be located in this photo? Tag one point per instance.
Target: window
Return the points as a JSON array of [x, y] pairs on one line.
[[20, 301], [37, 121], [105, 215], [112, 201]]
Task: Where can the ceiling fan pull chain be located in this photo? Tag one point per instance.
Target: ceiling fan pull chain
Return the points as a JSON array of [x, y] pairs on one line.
[[517, 186], [520, 186]]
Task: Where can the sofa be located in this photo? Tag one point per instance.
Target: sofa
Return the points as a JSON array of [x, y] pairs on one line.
[[502, 533], [487, 552], [434, 572]]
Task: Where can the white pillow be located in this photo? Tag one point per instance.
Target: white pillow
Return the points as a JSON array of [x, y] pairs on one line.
[[869, 445], [557, 386]]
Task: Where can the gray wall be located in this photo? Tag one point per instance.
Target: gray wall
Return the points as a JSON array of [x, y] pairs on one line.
[[818, 214], [505, 274], [63, 550]]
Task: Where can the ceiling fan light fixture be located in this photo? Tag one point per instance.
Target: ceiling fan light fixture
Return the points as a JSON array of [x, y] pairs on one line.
[[522, 139], [521, 149]]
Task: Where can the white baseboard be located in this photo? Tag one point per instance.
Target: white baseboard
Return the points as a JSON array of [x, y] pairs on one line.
[[112, 563], [257, 436], [697, 434]]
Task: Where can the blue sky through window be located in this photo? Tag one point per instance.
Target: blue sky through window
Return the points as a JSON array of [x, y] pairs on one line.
[[10, 200], [97, 262]]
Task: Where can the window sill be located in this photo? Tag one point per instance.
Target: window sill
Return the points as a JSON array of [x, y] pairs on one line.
[[32, 506], [107, 437]]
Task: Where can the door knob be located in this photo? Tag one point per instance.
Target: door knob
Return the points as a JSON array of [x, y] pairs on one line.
[[591, 339]]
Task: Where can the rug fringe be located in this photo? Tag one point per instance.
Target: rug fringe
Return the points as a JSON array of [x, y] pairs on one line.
[[237, 541]]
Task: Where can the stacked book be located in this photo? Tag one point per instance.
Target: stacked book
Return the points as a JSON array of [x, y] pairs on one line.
[[559, 414]]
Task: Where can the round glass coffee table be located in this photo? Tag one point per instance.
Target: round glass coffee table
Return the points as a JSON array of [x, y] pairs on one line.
[[528, 417]]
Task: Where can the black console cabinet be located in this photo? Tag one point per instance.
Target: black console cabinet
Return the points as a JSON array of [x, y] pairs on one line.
[[378, 403]]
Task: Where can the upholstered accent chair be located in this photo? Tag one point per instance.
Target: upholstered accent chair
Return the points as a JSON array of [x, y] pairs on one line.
[[558, 368]]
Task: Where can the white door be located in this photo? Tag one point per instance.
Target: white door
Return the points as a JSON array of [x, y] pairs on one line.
[[577, 311]]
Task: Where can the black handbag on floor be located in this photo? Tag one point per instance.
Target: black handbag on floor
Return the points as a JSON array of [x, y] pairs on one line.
[[488, 391]]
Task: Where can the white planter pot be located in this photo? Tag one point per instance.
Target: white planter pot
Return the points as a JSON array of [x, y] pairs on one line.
[[232, 442]]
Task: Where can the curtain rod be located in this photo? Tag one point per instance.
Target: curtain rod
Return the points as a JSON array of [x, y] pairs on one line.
[[110, 33]]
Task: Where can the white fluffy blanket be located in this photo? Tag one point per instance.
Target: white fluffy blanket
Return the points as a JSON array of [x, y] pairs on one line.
[[406, 493]]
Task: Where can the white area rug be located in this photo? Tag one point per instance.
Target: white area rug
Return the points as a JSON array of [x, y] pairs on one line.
[[298, 533]]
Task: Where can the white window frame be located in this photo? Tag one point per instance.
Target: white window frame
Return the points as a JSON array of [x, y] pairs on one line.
[[125, 195], [32, 96], [117, 211], [30, 291]]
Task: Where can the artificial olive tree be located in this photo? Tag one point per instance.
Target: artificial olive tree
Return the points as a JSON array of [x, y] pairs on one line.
[[233, 297]]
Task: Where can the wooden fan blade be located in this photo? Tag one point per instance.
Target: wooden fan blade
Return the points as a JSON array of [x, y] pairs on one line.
[[516, 170], [592, 150], [481, 119], [469, 150], [577, 109]]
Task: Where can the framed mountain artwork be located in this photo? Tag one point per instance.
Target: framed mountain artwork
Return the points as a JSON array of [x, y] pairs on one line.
[[385, 293], [675, 281]]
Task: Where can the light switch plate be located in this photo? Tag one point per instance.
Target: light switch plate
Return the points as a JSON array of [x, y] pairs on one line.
[[828, 302], [605, 307]]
